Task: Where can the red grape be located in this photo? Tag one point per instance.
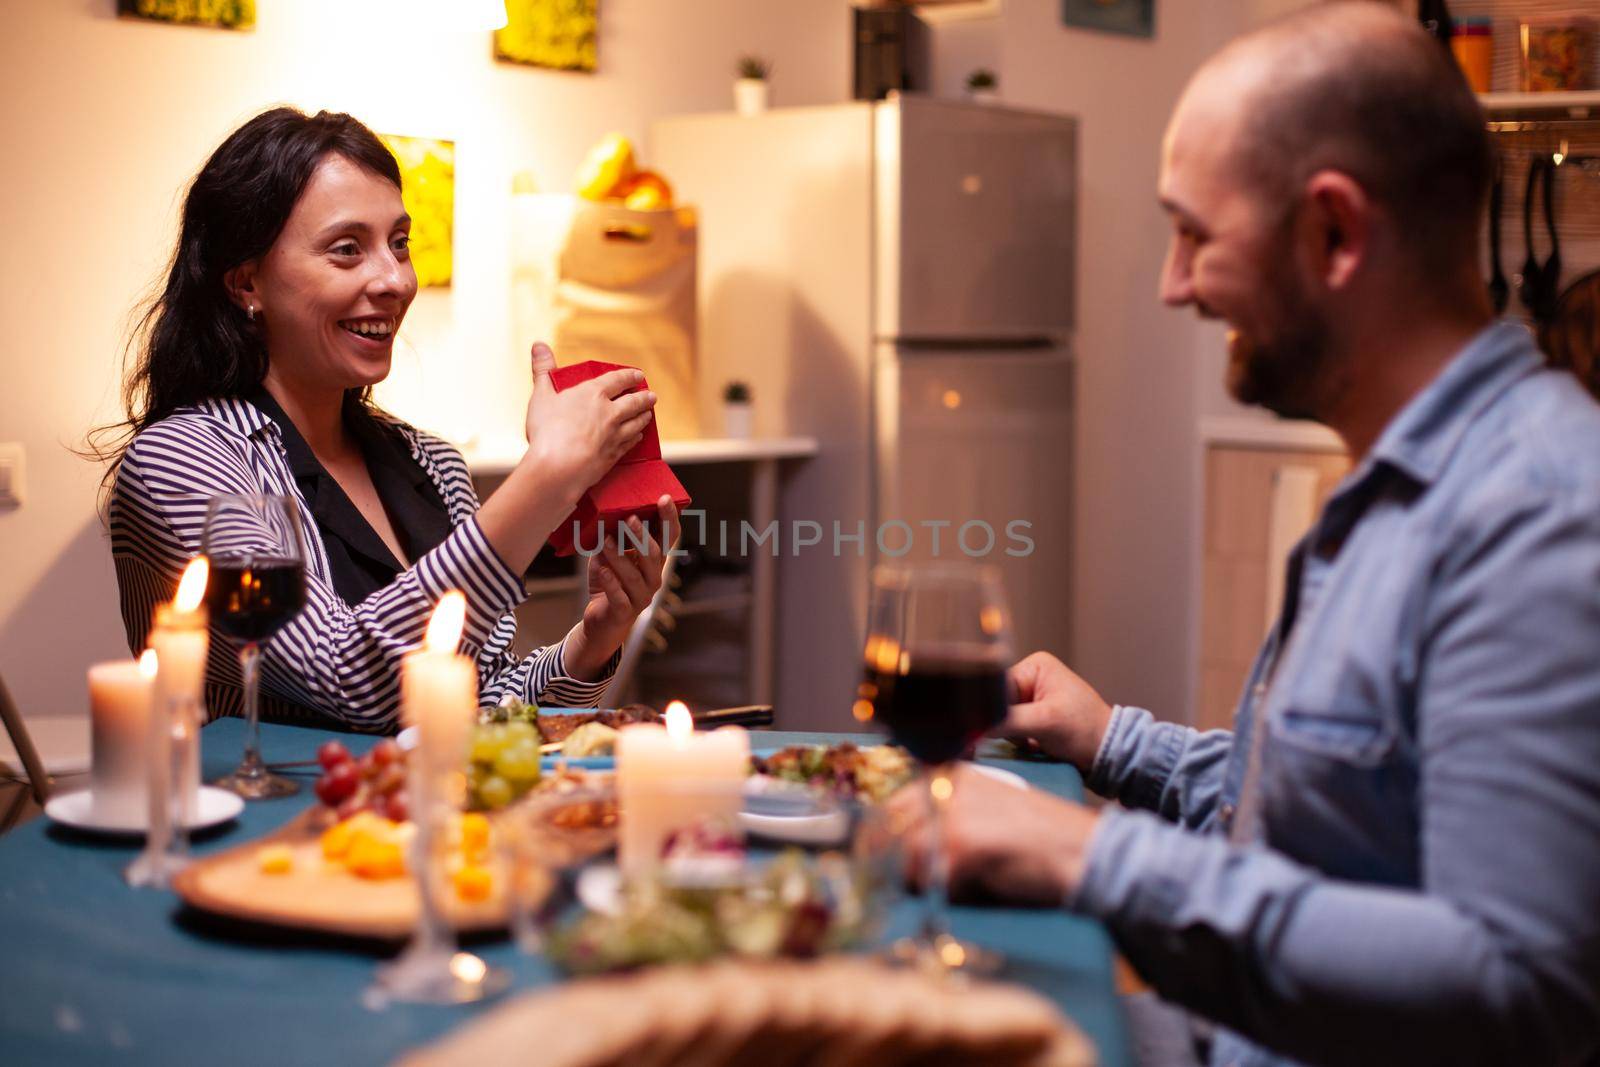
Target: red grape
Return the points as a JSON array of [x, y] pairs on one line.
[[386, 752], [351, 806], [394, 807], [331, 754], [337, 783]]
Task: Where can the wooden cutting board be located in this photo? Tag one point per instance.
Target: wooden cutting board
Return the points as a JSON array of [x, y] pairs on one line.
[[316, 894]]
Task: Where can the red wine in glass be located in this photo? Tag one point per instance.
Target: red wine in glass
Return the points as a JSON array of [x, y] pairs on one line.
[[251, 599], [936, 654], [257, 584], [946, 700]]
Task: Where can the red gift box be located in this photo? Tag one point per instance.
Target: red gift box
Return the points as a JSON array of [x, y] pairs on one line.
[[632, 487]]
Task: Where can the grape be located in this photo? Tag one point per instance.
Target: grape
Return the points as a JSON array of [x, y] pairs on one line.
[[386, 752], [487, 742], [494, 791], [337, 783], [518, 763], [520, 733], [332, 753], [394, 807]]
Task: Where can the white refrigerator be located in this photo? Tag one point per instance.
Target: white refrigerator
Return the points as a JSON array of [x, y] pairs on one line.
[[895, 279]]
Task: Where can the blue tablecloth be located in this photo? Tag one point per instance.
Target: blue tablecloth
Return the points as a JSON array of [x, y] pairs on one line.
[[92, 972]]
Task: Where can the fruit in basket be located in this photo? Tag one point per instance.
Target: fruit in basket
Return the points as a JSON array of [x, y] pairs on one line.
[[646, 191], [608, 165]]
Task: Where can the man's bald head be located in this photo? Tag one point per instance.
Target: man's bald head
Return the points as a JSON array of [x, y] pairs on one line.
[[1359, 88]]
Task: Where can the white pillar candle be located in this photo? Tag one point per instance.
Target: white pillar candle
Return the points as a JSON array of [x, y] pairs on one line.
[[119, 714], [669, 778], [439, 690]]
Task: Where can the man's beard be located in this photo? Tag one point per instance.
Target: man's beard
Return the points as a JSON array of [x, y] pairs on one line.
[[1291, 373]]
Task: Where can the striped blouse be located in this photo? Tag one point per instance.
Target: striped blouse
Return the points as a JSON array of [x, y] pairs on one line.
[[333, 664]]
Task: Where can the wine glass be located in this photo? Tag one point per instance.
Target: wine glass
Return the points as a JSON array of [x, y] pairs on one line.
[[258, 583], [938, 644]]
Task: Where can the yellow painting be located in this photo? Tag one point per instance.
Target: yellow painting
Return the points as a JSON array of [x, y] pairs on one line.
[[558, 34], [219, 14], [428, 185]]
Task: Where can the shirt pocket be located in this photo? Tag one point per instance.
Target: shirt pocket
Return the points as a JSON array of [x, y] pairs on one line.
[[1363, 737], [1338, 793]]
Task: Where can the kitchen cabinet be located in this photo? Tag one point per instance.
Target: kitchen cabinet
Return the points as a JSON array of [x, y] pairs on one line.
[[1264, 485]]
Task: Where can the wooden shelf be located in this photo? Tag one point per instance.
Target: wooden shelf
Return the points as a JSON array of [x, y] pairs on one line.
[[1575, 107]]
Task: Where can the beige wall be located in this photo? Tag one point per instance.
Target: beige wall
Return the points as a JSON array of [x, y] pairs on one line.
[[1140, 365], [103, 121]]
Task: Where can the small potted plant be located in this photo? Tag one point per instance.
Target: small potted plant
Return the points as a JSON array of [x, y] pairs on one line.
[[737, 413], [750, 91], [982, 86]]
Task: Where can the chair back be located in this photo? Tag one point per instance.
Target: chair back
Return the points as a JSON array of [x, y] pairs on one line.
[[32, 765]]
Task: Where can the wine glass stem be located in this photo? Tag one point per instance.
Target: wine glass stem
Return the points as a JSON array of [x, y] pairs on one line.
[[936, 888], [249, 667]]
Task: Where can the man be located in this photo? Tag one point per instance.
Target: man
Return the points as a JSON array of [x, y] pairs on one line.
[[1395, 856]]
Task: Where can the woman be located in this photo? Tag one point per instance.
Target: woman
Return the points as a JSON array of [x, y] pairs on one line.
[[253, 372]]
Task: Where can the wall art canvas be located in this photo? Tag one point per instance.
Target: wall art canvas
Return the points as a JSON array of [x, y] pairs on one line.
[[1134, 18], [428, 185], [555, 34], [218, 14]]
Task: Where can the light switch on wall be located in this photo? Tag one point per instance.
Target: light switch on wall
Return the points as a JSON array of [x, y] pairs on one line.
[[11, 474]]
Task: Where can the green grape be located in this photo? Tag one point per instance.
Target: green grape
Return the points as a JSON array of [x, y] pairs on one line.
[[487, 743], [518, 763], [518, 732], [494, 792]]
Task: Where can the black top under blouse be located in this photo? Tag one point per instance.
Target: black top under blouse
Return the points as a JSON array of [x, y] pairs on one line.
[[359, 560]]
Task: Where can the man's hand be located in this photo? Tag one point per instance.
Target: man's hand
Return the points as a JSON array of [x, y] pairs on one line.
[[1023, 846], [621, 585], [1055, 711]]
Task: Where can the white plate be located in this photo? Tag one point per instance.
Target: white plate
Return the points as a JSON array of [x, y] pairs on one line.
[[215, 806], [830, 827], [1000, 774]]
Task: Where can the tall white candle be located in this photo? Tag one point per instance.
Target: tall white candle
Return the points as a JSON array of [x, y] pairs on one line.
[[669, 778], [119, 715], [180, 641], [439, 689]]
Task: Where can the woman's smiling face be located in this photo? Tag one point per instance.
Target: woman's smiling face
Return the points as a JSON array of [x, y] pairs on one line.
[[331, 291]]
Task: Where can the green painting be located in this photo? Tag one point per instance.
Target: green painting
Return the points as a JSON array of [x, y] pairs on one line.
[[428, 185], [218, 14], [557, 34]]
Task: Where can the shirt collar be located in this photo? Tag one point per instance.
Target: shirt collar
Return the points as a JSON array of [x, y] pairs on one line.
[[1421, 438]]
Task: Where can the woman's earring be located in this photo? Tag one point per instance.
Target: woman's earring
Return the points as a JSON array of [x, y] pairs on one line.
[[250, 312]]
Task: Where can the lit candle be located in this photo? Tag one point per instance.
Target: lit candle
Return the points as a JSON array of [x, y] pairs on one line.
[[439, 689], [180, 642], [119, 713], [670, 778]]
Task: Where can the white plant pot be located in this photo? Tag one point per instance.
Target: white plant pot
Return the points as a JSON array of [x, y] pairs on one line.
[[750, 96], [984, 96], [738, 420]]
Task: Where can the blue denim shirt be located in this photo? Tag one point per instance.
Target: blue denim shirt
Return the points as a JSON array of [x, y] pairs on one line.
[[1425, 883]]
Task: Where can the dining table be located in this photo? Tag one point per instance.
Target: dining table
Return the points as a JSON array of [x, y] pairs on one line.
[[95, 972]]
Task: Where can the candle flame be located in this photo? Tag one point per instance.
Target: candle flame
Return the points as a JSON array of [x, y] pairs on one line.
[[680, 724], [192, 586], [449, 619], [147, 663]]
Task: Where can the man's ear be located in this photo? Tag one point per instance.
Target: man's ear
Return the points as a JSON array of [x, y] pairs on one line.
[[241, 284], [1336, 227]]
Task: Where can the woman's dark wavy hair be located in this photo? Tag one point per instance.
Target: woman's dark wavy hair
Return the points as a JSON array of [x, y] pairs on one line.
[[192, 342]]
